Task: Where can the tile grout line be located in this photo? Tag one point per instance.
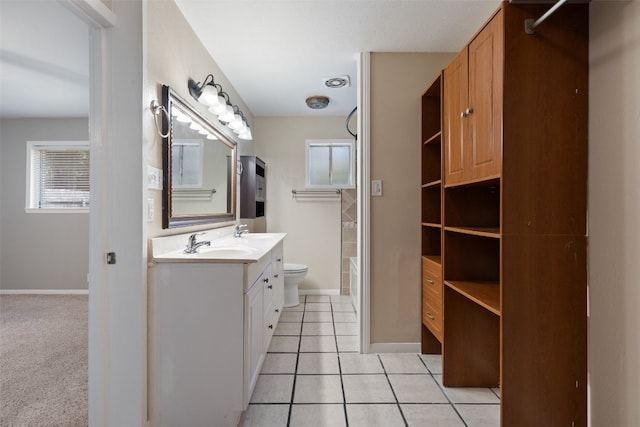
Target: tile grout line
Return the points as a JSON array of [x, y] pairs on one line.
[[295, 373], [443, 392], [344, 396], [393, 391]]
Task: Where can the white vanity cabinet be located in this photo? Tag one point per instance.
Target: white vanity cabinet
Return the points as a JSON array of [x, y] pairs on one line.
[[210, 324]]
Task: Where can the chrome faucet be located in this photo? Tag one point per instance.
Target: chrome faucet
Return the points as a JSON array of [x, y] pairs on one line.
[[240, 230], [192, 245]]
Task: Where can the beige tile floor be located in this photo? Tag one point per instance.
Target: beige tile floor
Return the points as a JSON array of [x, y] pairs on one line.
[[313, 375]]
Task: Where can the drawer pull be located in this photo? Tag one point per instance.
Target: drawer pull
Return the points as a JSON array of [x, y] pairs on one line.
[[430, 316], [275, 275], [430, 281], [269, 286], [279, 259], [265, 280], [277, 310], [270, 326]]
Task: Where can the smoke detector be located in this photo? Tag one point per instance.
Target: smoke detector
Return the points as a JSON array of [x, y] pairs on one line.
[[317, 102], [337, 82]]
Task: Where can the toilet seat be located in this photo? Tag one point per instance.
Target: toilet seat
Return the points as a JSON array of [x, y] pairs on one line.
[[295, 268]]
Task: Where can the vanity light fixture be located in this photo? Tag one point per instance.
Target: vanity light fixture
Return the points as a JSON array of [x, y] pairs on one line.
[[218, 102]]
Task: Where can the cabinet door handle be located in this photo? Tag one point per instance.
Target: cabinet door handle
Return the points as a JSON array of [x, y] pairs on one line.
[[430, 316], [277, 310], [430, 281], [279, 259], [275, 275], [270, 326], [265, 280], [270, 286], [466, 112]]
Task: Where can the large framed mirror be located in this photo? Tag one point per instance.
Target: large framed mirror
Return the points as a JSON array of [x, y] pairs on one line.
[[199, 167]]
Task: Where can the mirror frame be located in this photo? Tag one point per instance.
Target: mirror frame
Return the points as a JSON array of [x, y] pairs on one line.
[[169, 97]]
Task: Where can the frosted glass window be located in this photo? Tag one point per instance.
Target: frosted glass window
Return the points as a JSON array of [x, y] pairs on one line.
[[319, 172], [341, 165], [330, 164]]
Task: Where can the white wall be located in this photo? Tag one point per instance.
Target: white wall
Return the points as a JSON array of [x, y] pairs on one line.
[[614, 212], [313, 226], [395, 217], [39, 250], [175, 54]]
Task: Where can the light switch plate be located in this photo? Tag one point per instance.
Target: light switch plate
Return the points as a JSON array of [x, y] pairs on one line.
[[376, 187], [154, 178]]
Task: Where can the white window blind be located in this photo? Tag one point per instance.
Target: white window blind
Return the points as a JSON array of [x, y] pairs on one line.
[[58, 176]]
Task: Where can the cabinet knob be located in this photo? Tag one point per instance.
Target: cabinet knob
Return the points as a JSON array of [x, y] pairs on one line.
[[279, 259], [270, 326], [266, 280], [275, 275], [277, 310], [270, 286], [466, 112]]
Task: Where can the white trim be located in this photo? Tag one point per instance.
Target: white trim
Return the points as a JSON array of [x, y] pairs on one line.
[[396, 347], [94, 11], [319, 291], [44, 292], [364, 212]]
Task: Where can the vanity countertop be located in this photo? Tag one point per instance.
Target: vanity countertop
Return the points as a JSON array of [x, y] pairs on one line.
[[249, 248]]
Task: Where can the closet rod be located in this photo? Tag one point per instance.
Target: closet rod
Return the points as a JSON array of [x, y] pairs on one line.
[[530, 25]]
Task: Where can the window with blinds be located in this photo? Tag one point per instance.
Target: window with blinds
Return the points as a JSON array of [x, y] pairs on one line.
[[58, 176]]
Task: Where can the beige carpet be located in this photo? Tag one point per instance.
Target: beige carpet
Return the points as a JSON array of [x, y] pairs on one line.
[[43, 360]]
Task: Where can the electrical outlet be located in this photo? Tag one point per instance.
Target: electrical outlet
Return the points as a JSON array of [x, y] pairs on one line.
[[150, 210], [376, 187]]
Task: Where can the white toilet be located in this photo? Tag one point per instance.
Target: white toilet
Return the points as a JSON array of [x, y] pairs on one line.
[[293, 274]]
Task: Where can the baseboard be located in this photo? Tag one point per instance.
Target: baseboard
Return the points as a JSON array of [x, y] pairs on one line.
[[44, 292], [395, 347], [319, 291]]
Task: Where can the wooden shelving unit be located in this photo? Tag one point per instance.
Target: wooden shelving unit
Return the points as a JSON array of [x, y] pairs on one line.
[[504, 178], [431, 185]]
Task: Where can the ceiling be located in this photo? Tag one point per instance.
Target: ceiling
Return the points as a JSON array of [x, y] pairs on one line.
[[275, 53]]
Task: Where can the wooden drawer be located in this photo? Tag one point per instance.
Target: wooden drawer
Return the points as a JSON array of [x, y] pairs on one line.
[[431, 267], [432, 318], [432, 288]]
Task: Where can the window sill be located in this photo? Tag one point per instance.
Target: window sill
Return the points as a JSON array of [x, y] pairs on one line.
[[57, 211]]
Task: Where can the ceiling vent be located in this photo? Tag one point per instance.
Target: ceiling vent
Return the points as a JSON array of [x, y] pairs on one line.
[[336, 82], [317, 102]]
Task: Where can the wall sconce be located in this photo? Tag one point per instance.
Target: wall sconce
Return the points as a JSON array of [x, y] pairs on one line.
[[211, 94]]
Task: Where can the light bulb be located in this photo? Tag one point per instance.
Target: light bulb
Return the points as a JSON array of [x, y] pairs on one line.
[[228, 114], [236, 123], [219, 107], [209, 95]]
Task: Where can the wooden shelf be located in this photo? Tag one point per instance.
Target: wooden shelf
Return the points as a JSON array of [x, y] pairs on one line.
[[432, 183], [485, 294], [435, 139], [492, 232], [431, 224], [436, 259]]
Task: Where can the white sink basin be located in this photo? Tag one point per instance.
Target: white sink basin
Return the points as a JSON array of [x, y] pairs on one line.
[[257, 236], [224, 251]]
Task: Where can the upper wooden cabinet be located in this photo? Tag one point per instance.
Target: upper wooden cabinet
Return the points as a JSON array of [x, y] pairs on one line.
[[473, 107]]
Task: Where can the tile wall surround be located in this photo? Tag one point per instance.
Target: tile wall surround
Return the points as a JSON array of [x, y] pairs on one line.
[[349, 208], [313, 375]]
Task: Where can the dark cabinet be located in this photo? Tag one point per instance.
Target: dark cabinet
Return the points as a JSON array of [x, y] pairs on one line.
[[253, 187]]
